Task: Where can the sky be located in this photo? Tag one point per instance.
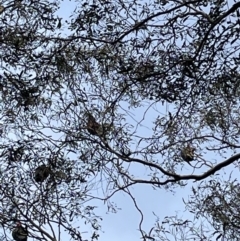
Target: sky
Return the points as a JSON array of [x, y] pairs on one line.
[[124, 224]]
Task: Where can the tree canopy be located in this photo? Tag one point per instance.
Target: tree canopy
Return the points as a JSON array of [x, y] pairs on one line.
[[88, 99]]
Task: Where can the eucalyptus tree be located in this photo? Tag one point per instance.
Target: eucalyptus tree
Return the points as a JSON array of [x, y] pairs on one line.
[[120, 85]]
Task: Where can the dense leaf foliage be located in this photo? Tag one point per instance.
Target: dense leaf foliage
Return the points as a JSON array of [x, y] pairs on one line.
[[117, 86]]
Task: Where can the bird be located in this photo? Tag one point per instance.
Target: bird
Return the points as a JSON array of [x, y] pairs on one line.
[[92, 126], [41, 173], [20, 233]]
